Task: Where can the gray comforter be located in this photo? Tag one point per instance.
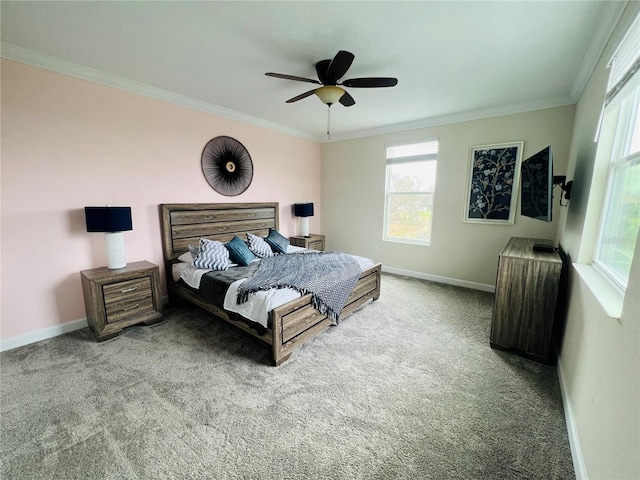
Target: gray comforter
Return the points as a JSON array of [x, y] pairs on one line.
[[329, 276]]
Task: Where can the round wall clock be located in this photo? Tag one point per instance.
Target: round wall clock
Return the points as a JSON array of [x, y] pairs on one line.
[[227, 166]]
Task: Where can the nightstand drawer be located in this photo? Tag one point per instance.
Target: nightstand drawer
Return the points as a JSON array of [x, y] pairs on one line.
[[123, 291], [130, 308], [316, 245]]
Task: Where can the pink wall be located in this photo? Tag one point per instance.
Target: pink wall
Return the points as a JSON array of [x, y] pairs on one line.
[[68, 143]]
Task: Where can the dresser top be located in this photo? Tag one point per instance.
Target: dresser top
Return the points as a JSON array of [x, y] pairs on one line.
[[519, 247]]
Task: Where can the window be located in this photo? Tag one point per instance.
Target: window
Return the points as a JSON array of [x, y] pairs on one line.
[[621, 213], [410, 185], [620, 218]]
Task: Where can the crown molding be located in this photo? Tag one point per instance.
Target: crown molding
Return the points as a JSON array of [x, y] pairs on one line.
[[36, 59], [30, 57], [599, 43], [468, 116]]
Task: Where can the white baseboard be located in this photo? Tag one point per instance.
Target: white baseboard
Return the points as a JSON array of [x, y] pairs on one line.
[[574, 442], [436, 278], [43, 334]]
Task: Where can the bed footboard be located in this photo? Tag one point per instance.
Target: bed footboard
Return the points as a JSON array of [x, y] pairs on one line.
[[297, 321]]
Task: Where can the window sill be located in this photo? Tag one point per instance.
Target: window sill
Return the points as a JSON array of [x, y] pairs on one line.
[[407, 241], [608, 297]]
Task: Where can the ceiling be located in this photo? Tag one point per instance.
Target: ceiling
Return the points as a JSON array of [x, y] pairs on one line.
[[454, 60]]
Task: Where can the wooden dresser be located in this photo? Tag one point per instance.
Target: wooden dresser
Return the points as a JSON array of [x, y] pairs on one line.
[[527, 290], [313, 241], [115, 299]]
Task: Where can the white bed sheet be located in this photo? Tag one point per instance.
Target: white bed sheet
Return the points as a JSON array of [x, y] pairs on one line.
[[260, 303]]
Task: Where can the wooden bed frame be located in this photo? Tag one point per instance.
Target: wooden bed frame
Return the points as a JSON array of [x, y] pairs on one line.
[[291, 324]]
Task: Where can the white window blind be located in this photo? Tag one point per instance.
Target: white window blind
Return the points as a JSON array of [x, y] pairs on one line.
[[625, 61], [416, 151]]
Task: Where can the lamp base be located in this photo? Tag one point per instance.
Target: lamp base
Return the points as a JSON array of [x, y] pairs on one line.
[[116, 257], [304, 226]]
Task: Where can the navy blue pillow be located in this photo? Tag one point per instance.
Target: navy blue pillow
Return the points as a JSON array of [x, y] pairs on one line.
[[277, 242], [239, 252]]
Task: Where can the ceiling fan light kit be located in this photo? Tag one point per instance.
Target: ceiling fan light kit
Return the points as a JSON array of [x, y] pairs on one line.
[[330, 94], [329, 72]]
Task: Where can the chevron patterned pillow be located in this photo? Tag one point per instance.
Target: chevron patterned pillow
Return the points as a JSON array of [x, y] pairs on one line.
[[258, 246], [212, 255]]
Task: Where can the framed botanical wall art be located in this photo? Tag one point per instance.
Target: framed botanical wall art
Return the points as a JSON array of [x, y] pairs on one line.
[[492, 183]]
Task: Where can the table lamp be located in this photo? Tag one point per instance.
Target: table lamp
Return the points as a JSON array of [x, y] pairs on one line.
[[304, 211], [112, 221]]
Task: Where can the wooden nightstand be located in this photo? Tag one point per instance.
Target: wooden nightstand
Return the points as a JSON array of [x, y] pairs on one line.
[[313, 241], [119, 298]]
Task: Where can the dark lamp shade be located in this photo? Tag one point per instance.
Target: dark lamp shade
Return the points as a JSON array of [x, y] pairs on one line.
[[303, 209], [108, 219]]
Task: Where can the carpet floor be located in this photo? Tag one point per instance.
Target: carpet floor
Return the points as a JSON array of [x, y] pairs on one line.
[[407, 387]]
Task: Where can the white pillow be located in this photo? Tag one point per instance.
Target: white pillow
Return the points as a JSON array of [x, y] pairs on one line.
[[186, 257], [190, 255], [259, 246], [212, 255]]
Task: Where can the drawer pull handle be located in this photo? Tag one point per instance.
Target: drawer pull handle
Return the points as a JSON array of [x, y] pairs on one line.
[[127, 290], [132, 307]]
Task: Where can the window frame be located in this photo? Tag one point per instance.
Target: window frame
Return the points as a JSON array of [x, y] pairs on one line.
[[624, 111], [389, 162]]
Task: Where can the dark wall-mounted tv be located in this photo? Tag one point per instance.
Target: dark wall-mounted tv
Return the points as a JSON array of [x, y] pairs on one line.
[[536, 179]]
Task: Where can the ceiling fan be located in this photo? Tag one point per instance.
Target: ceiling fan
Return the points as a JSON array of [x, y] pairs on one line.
[[329, 73]]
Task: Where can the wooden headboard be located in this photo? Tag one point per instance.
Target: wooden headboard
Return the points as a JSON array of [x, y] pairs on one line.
[[183, 224]]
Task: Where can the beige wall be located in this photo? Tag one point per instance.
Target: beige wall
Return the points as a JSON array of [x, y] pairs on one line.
[[599, 363], [68, 143], [353, 182], [600, 356]]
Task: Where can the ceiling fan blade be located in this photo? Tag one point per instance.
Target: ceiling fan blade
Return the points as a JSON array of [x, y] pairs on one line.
[[339, 66], [321, 69], [292, 77], [371, 82], [301, 96], [347, 100]]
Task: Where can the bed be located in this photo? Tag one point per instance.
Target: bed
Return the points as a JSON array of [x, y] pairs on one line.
[[290, 324]]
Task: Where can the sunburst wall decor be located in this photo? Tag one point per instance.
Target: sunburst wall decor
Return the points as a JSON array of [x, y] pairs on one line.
[[227, 166]]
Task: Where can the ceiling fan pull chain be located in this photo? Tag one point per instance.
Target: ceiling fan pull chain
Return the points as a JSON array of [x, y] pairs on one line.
[[329, 122]]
